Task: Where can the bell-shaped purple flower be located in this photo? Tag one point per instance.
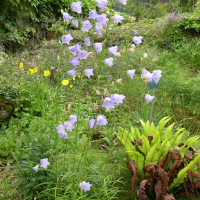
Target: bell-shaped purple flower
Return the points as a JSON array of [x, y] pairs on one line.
[[65, 136], [86, 26], [93, 14], [85, 186], [83, 54], [88, 72], [117, 18], [74, 61], [123, 2], [72, 72], [98, 47], [36, 168], [137, 39], [76, 7], [66, 16], [102, 19], [117, 98], [149, 98], [149, 76], [75, 23], [131, 73], [92, 121], [108, 103], [101, 120], [73, 118], [113, 50], [44, 162], [99, 28], [87, 42], [156, 74], [102, 4], [60, 129], [76, 48], [67, 38], [109, 61], [69, 126], [134, 32]]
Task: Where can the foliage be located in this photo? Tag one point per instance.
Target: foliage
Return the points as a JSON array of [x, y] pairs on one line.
[[152, 148], [11, 27]]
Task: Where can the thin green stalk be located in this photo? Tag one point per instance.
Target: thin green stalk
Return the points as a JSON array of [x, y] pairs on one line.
[[152, 107]]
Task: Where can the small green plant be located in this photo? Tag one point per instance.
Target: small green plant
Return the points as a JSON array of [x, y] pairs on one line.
[[151, 151]]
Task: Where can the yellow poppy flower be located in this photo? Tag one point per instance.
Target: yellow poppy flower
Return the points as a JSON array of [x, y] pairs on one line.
[[74, 78], [21, 65], [46, 73], [65, 82], [71, 86], [34, 70], [31, 70]]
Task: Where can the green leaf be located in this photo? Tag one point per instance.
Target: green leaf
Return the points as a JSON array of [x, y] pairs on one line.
[[162, 124], [183, 173], [168, 132], [145, 145], [152, 156]]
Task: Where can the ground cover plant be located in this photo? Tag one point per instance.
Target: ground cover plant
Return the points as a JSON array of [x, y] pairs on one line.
[[79, 97]]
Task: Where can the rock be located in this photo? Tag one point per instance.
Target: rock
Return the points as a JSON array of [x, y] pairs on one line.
[[6, 110]]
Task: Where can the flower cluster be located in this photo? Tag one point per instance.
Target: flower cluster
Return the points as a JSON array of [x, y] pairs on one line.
[[110, 101], [99, 121], [43, 163], [68, 125], [154, 76]]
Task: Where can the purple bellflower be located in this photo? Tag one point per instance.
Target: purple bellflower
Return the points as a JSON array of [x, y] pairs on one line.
[[72, 72], [85, 186], [74, 61], [73, 118], [108, 103], [109, 61], [117, 98], [67, 38], [88, 72], [69, 126], [75, 23], [87, 42], [102, 4], [86, 26], [134, 32], [92, 121], [66, 16], [101, 120], [117, 18], [102, 19], [92, 14], [60, 129], [76, 48], [98, 47], [76, 7], [99, 28], [44, 162], [131, 73], [137, 39], [36, 168], [149, 98], [123, 2], [113, 50], [156, 74], [83, 54]]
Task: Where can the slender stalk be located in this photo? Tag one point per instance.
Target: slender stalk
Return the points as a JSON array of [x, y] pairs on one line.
[[152, 107]]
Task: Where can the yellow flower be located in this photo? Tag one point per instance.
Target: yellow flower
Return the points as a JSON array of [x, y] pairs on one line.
[[79, 76], [74, 78], [71, 86], [19, 92], [65, 82], [31, 70], [21, 65], [34, 70], [6, 93], [47, 73]]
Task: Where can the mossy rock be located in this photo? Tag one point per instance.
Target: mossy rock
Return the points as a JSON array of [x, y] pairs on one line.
[[6, 110]]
